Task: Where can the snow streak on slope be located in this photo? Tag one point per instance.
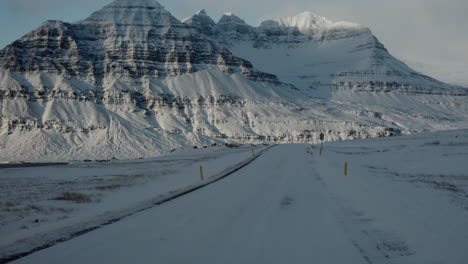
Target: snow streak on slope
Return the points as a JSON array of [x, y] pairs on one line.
[[132, 80]]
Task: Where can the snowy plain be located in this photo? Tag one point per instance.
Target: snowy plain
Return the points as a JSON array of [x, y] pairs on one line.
[[39, 205], [404, 200]]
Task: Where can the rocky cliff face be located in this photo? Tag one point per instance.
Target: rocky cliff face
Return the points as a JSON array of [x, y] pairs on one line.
[[131, 39], [133, 81]]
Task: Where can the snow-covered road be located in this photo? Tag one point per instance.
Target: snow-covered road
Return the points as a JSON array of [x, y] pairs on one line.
[[282, 208], [273, 211]]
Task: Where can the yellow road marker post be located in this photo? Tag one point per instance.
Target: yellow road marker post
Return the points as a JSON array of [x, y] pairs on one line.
[[201, 173], [322, 138], [346, 169]]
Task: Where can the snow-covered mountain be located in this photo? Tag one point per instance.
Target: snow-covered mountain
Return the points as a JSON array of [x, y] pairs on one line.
[[131, 80], [307, 23]]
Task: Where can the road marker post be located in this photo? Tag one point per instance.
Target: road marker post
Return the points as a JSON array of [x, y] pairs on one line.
[[253, 153], [346, 169], [322, 138], [201, 173]]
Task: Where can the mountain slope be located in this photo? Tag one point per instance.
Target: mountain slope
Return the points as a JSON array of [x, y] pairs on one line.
[[308, 49], [131, 80], [345, 67]]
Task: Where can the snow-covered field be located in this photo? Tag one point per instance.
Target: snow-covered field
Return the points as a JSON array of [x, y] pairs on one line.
[[404, 200], [39, 205]]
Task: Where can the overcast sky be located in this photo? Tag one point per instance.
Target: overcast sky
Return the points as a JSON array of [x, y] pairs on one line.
[[433, 33]]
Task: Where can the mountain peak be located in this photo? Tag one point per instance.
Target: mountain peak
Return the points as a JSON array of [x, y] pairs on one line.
[[232, 24], [202, 12], [132, 12], [202, 21], [198, 15], [230, 18], [308, 22], [136, 3]]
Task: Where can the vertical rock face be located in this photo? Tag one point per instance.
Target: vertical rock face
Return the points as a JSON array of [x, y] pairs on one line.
[[131, 80]]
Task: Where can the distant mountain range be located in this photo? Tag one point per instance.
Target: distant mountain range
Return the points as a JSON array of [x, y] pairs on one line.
[[134, 81]]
